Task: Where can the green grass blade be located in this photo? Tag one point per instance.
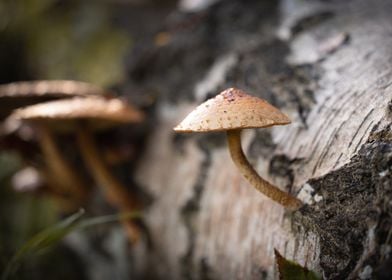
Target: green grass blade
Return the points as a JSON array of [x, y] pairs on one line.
[[107, 219], [42, 241], [52, 235]]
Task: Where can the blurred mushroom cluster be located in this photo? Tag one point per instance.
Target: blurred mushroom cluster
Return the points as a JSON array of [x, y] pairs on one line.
[[52, 125]]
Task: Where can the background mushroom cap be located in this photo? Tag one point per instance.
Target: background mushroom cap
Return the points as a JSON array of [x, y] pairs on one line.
[[49, 87], [95, 112], [232, 109], [20, 94]]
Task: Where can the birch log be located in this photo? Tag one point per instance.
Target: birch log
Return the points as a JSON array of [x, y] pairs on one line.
[[328, 65]]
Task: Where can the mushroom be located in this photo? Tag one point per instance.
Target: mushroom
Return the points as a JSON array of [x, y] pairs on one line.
[[231, 111], [20, 94], [68, 186], [83, 115]]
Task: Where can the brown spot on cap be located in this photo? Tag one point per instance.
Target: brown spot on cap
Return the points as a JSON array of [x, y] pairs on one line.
[[232, 109], [231, 94]]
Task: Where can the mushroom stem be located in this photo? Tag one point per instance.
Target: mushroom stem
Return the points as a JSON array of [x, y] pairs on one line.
[[60, 171], [117, 194], [237, 154]]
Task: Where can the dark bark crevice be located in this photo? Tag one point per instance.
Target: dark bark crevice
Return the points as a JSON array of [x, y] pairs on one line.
[[310, 21], [354, 199], [189, 213]]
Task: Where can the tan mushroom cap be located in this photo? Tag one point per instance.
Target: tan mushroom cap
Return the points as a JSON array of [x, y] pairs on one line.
[[232, 109], [96, 112]]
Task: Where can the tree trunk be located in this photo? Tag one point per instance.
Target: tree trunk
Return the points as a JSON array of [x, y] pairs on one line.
[[326, 64]]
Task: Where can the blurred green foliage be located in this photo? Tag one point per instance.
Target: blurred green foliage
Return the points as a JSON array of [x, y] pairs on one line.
[[67, 39], [9, 163], [50, 39], [289, 270], [21, 215]]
